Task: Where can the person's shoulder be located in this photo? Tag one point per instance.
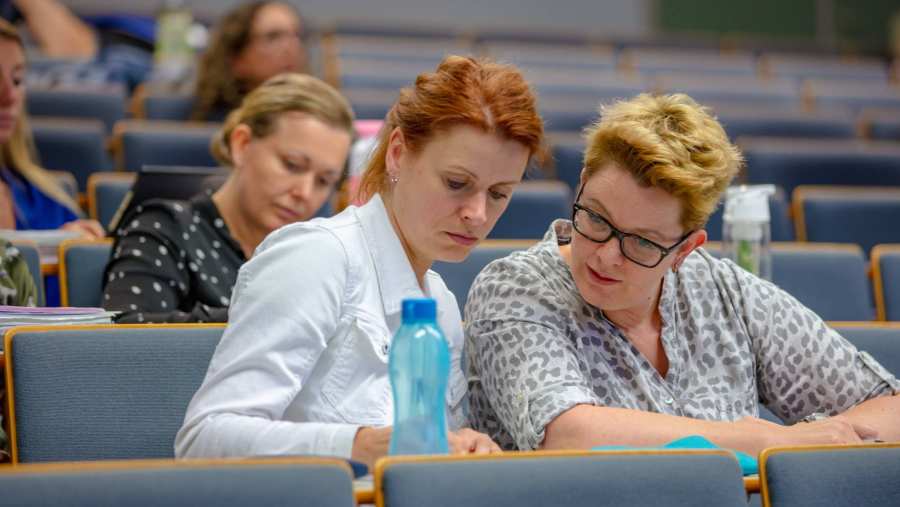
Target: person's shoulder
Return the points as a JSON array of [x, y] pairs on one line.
[[701, 269], [531, 282], [158, 214], [702, 264], [522, 268]]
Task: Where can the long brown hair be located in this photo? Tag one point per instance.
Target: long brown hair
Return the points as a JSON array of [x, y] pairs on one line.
[[17, 154], [462, 90], [217, 86]]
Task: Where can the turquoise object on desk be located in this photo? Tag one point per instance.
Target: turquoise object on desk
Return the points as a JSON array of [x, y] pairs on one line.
[[748, 463]]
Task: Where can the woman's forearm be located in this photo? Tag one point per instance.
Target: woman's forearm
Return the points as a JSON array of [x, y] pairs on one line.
[[585, 426], [59, 32]]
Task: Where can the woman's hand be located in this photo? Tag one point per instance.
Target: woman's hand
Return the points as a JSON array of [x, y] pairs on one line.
[[832, 430], [7, 212], [90, 229], [468, 441], [371, 444]]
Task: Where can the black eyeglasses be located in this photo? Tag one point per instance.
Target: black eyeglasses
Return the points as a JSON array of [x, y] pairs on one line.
[[637, 249]]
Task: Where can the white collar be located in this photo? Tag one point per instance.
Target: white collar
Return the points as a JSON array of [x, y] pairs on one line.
[[396, 278]]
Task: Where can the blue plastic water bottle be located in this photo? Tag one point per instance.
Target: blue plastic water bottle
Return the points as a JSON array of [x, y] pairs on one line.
[[419, 366]]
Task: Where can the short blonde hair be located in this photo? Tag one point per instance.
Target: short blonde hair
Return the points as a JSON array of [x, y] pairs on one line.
[[284, 93], [669, 142]]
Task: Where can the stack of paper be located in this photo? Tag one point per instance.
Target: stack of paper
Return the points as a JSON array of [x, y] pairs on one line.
[[11, 316]]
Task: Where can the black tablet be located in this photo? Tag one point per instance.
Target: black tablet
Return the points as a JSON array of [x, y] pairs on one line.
[[168, 182]]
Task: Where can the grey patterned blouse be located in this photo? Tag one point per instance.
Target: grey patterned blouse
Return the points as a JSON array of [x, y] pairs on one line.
[[536, 348]]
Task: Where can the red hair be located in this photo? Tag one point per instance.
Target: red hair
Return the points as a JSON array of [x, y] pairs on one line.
[[462, 90]]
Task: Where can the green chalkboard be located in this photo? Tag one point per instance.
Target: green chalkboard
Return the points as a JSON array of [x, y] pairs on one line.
[[779, 18], [861, 25]]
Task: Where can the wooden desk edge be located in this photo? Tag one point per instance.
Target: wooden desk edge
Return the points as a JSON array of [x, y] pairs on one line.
[[367, 496]]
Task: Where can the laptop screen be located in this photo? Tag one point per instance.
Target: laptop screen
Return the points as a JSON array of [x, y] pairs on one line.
[[168, 182]]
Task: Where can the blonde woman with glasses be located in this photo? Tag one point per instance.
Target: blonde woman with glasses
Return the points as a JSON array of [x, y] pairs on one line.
[[620, 329]]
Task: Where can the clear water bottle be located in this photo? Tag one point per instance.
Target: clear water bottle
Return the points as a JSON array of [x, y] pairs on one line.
[[746, 231], [419, 368], [173, 55]]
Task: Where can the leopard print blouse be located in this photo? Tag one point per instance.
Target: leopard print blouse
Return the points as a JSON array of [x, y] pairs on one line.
[[536, 348]]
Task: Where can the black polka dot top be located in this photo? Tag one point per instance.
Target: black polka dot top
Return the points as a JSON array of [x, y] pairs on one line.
[[172, 261]]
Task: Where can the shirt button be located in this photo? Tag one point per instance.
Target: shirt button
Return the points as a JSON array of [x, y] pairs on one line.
[[384, 348], [669, 400]]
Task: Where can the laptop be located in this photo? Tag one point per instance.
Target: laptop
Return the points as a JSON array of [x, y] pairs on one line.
[[167, 182]]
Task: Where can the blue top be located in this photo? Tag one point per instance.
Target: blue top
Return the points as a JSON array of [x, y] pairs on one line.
[[33, 208]]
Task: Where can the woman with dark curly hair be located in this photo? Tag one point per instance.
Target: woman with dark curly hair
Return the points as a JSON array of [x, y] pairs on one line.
[[251, 43]]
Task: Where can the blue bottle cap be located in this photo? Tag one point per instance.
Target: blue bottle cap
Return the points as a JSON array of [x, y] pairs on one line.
[[419, 309]]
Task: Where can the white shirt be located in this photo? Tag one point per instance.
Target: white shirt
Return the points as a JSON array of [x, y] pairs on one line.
[[303, 362]]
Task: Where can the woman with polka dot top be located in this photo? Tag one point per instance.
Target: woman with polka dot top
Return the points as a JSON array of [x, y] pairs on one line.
[[177, 261]]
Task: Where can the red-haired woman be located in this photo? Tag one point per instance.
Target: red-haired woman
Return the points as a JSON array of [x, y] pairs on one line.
[[302, 367]]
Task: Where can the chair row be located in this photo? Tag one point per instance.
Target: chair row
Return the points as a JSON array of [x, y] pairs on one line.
[[372, 86], [838, 214], [570, 104], [785, 163], [568, 100], [627, 56], [835, 475], [831, 279], [62, 408], [80, 146]]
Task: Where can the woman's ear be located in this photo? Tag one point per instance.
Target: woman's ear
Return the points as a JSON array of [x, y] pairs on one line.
[[237, 144], [694, 241], [395, 150]]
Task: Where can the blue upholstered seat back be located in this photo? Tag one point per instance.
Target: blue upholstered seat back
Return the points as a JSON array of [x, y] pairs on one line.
[[105, 393], [533, 206], [107, 105], [888, 260], [167, 146], [597, 480], [260, 483], [168, 107], [75, 146], [84, 266], [865, 216], [791, 162], [858, 477]]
